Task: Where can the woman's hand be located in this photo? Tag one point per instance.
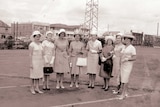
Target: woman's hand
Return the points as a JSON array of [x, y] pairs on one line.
[[93, 51], [103, 59], [124, 60]]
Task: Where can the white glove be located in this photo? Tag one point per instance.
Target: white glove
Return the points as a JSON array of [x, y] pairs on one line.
[[103, 59], [46, 60], [113, 56], [52, 60], [93, 51], [125, 59]]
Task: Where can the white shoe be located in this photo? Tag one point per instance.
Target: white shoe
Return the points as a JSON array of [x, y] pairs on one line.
[[77, 86], [57, 87], [121, 97], [71, 85], [32, 91], [126, 94], [115, 92], [62, 87], [38, 91]]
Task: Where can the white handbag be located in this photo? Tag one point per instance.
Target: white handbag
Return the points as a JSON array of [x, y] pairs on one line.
[[81, 62]]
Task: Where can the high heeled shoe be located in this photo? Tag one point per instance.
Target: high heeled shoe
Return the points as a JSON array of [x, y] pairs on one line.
[[71, 85], [38, 91], [62, 87], [121, 97], [32, 91], [89, 86], [77, 86]]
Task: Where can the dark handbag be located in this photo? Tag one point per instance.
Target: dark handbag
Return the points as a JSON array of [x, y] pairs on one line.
[[48, 69]]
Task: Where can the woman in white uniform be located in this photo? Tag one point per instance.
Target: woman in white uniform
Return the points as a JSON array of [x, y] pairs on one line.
[[49, 56], [94, 46], [119, 46], [127, 60], [36, 62]]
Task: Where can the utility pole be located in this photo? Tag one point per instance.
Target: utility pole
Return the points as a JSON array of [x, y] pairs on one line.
[[157, 28]]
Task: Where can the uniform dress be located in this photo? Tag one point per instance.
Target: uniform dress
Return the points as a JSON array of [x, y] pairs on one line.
[[93, 58], [48, 48], [76, 47], [116, 61], [61, 64], [126, 67], [37, 61], [106, 67]]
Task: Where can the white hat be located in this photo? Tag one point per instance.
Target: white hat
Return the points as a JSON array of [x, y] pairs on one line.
[[35, 33], [129, 35], [61, 31], [109, 37], [48, 32], [120, 34]]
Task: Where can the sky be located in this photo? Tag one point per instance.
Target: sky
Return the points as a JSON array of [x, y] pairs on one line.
[[113, 15]]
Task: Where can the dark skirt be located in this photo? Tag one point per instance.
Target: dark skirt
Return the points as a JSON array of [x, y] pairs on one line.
[[106, 69]]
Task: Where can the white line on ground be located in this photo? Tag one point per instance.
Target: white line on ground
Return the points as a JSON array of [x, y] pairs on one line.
[[97, 101], [5, 87], [8, 87]]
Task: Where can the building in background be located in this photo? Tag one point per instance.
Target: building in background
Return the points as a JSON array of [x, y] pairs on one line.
[[5, 30], [70, 29], [24, 30], [139, 38], [110, 33]]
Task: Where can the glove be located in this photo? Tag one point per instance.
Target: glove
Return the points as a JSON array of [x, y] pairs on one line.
[[52, 60], [103, 59], [46, 60], [93, 51], [124, 60]]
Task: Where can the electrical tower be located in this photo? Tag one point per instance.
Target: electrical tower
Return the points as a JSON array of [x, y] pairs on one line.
[[91, 15]]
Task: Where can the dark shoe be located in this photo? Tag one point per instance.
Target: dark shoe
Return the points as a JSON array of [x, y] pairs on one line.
[[44, 88], [89, 86], [106, 89], [48, 89], [92, 87], [103, 87]]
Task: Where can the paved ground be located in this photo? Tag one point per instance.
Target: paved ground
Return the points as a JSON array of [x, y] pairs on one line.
[[14, 85]]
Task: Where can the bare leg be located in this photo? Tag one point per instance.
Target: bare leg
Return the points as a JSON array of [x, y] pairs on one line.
[[37, 86], [93, 80], [77, 80], [72, 80], [32, 86], [107, 84], [47, 81], [44, 82], [58, 80], [90, 80], [104, 86], [122, 96], [61, 80]]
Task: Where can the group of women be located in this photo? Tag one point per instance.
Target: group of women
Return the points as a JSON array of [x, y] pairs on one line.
[[113, 59]]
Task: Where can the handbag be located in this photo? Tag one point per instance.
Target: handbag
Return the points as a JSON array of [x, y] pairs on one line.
[[81, 62], [48, 69]]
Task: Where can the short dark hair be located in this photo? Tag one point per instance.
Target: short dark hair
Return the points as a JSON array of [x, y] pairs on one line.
[[61, 33], [111, 40], [117, 36], [128, 38], [36, 35]]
